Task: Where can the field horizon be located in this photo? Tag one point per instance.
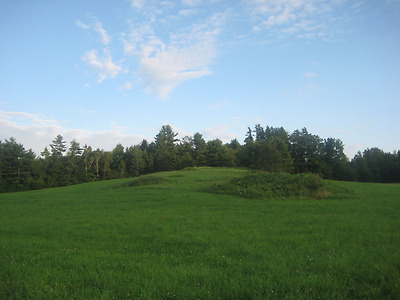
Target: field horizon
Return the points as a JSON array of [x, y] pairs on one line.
[[196, 233]]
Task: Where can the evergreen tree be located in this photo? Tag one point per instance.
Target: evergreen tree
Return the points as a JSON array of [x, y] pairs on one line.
[[15, 166], [75, 149], [106, 160], [135, 162], [88, 159], [219, 155], [185, 152], [360, 165], [165, 158], [58, 147], [260, 133], [199, 151], [118, 164]]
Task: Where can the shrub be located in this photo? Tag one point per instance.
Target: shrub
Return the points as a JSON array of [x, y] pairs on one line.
[[276, 185]]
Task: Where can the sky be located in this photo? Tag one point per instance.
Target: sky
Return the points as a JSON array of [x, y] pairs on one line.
[[108, 72]]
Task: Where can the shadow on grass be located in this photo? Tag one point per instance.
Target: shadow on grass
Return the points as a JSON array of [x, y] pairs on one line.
[[146, 180]]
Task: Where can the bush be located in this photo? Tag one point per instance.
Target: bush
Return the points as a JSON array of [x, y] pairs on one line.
[[276, 185]]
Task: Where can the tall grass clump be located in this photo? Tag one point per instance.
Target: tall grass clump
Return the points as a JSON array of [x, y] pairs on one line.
[[276, 185]]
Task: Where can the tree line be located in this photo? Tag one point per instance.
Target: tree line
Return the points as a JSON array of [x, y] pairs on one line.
[[270, 149]]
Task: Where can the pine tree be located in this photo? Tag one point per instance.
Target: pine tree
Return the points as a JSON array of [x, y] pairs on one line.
[[165, 150], [58, 147]]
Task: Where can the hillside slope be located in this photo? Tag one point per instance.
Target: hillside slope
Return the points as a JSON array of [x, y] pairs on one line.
[[168, 235]]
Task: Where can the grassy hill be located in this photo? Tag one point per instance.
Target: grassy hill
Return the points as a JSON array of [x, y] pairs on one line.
[[202, 233]]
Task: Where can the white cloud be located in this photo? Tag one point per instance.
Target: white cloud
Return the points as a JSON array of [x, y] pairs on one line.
[[187, 12], [172, 65], [310, 75], [37, 132], [164, 65], [220, 132], [303, 18], [138, 3], [181, 132], [82, 25], [191, 2], [126, 86], [105, 38], [104, 65], [97, 26]]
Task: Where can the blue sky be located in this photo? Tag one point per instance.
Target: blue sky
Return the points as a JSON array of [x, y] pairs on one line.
[[108, 72]]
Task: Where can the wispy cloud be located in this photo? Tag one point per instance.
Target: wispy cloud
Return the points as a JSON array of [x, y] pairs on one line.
[[310, 75], [301, 18], [219, 132], [164, 65], [96, 26], [138, 3], [36, 132], [103, 64], [82, 25], [161, 61], [105, 38], [187, 12], [126, 86], [191, 2]]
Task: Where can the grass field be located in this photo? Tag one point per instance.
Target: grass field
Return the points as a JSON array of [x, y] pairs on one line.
[[168, 235]]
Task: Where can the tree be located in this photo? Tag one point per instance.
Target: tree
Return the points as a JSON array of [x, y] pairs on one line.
[[58, 147], [74, 166], [185, 151], [379, 164], [246, 155], [306, 150], [135, 163], [334, 158], [260, 133], [97, 155], [249, 136], [105, 165], [199, 150], [359, 163], [75, 149], [15, 166], [234, 145], [219, 155], [273, 155], [87, 162], [118, 164], [45, 154], [165, 151]]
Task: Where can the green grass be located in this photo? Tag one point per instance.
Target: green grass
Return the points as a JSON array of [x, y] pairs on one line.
[[166, 236]]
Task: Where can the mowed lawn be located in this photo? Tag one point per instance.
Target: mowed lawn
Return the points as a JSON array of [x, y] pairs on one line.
[[165, 236]]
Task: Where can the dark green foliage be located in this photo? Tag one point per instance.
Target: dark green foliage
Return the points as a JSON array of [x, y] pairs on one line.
[[307, 152], [271, 149], [58, 147], [165, 156], [219, 155], [16, 167], [199, 150], [265, 185]]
